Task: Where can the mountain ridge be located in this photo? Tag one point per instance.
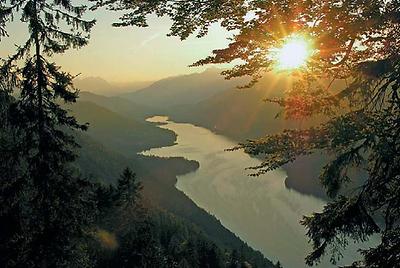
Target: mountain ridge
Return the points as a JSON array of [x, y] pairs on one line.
[[99, 85], [183, 89]]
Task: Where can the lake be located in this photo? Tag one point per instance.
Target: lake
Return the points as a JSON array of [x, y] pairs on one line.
[[261, 210]]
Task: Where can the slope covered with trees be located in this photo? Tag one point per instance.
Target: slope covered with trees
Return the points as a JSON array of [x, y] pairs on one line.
[[103, 162], [120, 105], [126, 134], [132, 235]]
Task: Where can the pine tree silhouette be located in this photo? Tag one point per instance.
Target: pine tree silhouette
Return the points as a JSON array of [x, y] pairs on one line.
[[57, 205]]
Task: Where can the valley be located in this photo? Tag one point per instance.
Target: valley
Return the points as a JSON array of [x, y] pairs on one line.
[[178, 178], [105, 151]]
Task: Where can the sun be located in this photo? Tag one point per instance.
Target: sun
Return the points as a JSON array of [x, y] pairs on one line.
[[293, 54]]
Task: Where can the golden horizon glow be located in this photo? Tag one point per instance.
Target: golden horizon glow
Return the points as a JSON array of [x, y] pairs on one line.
[[293, 54]]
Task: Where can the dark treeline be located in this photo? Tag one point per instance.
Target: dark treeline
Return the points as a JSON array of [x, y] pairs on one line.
[[138, 237]]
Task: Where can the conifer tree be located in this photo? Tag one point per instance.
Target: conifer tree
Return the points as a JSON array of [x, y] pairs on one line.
[[128, 189], [57, 206]]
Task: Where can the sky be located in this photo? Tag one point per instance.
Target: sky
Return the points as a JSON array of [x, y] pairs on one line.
[[129, 54]]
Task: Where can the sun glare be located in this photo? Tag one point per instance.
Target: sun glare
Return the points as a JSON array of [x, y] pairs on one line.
[[293, 54]]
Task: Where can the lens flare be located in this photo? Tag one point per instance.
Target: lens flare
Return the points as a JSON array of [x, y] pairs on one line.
[[293, 54]]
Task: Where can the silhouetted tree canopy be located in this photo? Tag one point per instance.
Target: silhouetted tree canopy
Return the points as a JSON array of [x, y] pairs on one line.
[[48, 208], [355, 41]]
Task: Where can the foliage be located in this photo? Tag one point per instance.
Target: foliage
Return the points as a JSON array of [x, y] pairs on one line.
[[188, 16], [49, 207], [356, 41]]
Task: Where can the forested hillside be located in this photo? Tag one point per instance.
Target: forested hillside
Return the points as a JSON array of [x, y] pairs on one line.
[[120, 105], [163, 240], [104, 154]]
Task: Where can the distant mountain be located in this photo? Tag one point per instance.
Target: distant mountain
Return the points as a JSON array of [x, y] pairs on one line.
[[184, 89], [126, 87], [100, 86], [239, 113]]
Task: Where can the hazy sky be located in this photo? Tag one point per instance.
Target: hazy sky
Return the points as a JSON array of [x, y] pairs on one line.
[[129, 54]]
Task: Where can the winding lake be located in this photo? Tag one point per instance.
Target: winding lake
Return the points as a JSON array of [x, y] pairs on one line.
[[261, 211]]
